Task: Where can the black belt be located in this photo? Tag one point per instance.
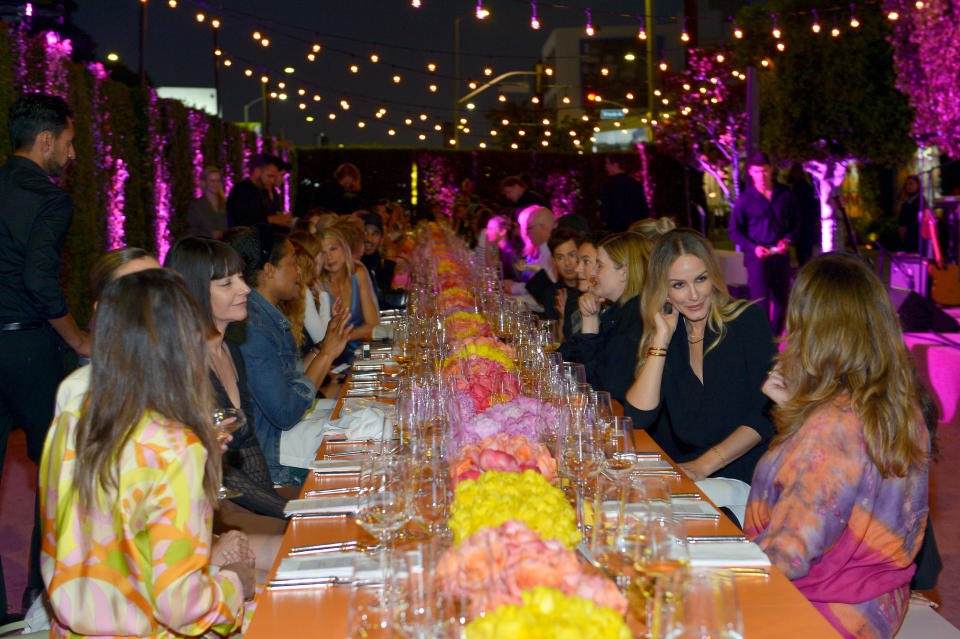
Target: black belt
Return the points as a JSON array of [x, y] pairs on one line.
[[21, 326]]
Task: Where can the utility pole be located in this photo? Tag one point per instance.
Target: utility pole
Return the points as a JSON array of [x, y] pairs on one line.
[[456, 82], [216, 68], [143, 38], [651, 37]]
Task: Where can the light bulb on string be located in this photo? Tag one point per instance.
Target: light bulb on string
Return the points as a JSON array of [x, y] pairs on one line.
[[534, 22], [391, 132], [684, 36], [437, 127], [472, 85], [482, 145], [781, 46], [466, 129], [172, 3], [423, 117], [565, 99], [311, 57], [408, 121], [737, 32], [502, 98], [642, 33], [919, 4], [471, 106], [281, 85], [463, 120], [765, 62], [215, 23], [504, 121], [835, 31], [354, 68], [816, 23], [374, 58], [227, 63], [396, 78], [415, 4], [316, 48], [629, 96], [493, 132], [481, 13], [487, 71], [433, 88], [265, 79], [361, 124], [514, 146], [535, 99], [316, 97], [854, 23], [589, 30], [604, 71], [248, 72], [265, 42], [720, 58], [256, 35], [421, 137], [344, 105], [776, 29], [201, 17], [332, 116], [548, 70], [431, 67], [663, 65], [893, 16]]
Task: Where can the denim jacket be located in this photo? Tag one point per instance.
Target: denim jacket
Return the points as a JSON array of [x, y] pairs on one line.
[[282, 394]]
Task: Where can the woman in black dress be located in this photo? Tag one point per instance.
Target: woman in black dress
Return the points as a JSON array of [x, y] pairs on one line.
[[213, 273], [701, 364]]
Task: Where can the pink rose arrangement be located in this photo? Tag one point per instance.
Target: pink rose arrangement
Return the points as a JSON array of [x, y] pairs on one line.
[[503, 453], [486, 380], [495, 565], [472, 343], [526, 416], [455, 299]]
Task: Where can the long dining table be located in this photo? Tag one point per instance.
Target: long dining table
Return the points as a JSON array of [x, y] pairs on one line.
[[771, 606]]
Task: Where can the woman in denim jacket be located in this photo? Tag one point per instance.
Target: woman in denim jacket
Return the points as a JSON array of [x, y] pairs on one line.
[[284, 384]]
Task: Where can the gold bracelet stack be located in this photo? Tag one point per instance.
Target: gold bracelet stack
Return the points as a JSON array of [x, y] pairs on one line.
[[656, 351]]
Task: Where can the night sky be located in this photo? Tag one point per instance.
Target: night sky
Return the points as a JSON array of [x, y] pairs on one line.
[[179, 53]]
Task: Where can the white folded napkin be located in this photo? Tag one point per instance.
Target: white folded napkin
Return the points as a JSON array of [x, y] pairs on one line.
[[334, 565], [298, 446], [321, 505], [694, 509], [365, 423], [336, 465], [727, 554]]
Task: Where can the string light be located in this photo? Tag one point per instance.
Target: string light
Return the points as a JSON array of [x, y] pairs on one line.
[[361, 124], [720, 57], [422, 137], [248, 72], [548, 70], [893, 16], [781, 46], [534, 23], [663, 66], [835, 31], [504, 121], [289, 70], [423, 117], [316, 97], [629, 96], [463, 120], [535, 99], [776, 29], [546, 121], [493, 132], [344, 105], [391, 132], [472, 85], [374, 58], [816, 22], [433, 88], [173, 4], [215, 23], [309, 118], [684, 36], [642, 34], [332, 116], [396, 79], [604, 71], [354, 68], [415, 4], [514, 146], [481, 13], [854, 23], [482, 145], [471, 106], [502, 97], [437, 127], [565, 99], [201, 17], [316, 48], [408, 121], [227, 63], [589, 30], [737, 33], [487, 71], [264, 79], [265, 42]]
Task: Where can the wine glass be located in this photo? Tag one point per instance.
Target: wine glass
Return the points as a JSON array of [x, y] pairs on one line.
[[383, 501], [620, 456], [662, 560], [227, 421], [431, 496]]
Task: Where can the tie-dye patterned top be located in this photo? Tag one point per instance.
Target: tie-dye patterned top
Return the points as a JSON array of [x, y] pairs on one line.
[[844, 535], [139, 566]]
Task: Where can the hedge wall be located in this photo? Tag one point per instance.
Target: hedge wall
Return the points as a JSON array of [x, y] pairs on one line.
[[138, 156]]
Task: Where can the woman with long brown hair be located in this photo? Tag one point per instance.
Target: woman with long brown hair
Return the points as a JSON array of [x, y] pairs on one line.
[[839, 502], [701, 362], [128, 481], [310, 313]]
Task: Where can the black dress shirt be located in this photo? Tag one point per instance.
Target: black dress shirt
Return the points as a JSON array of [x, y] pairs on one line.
[[550, 303], [693, 416], [530, 198], [248, 204], [755, 220], [622, 202], [610, 356], [34, 217]]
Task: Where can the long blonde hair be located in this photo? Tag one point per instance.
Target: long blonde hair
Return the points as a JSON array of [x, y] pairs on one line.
[[630, 251], [843, 339], [305, 249], [668, 248]]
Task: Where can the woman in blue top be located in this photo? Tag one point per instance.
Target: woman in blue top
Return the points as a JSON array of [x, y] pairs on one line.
[[350, 285], [283, 384]]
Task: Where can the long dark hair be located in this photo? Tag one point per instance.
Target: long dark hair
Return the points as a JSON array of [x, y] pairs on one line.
[[201, 260], [148, 355], [257, 245]]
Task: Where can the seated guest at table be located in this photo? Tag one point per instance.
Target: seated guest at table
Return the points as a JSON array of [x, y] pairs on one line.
[[343, 280], [380, 269], [839, 502], [607, 343], [559, 300], [586, 277], [536, 224], [213, 271], [309, 314], [255, 199], [495, 248], [108, 267], [283, 384], [702, 361], [128, 482], [207, 215]]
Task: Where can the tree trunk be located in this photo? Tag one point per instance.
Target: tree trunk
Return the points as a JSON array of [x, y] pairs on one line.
[[828, 176]]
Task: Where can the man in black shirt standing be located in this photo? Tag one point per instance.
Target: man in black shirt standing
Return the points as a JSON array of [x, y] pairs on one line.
[[255, 200], [515, 189], [763, 223], [34, 320], [622, 200]]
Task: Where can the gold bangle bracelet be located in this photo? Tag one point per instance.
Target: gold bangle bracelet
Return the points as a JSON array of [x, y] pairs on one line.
[[656, 353], [723, 459]]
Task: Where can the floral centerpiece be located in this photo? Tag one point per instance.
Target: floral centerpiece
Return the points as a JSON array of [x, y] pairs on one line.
[[455, 299], [504, 453], [548, 612], [496, 497], [494, 567], [464, 324], [483, 372], [526, 416]]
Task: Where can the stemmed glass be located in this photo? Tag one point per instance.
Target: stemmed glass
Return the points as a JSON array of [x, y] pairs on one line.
[[383, 501], [662, 560], [431, 494], [227, 421], [581, 456], [619, 454]]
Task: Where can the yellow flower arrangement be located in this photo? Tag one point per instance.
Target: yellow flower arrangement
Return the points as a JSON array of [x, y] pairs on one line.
[[548, 613], [497, 497], [482, 350]]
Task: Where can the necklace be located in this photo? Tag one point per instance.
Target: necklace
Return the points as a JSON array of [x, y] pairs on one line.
[[695, 341]]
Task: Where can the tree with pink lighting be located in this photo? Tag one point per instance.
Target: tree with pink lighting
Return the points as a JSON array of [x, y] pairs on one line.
[[926, 57], [826, 100], [707, 128]]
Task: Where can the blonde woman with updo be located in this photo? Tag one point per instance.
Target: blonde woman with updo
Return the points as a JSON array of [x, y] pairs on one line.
[[701, 362]]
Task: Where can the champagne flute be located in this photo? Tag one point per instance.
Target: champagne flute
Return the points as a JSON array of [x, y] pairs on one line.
[[227, 421], [620, 457]]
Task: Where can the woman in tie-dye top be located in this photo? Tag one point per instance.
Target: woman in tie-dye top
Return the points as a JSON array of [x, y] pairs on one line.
[[127, 482], [839, 501]]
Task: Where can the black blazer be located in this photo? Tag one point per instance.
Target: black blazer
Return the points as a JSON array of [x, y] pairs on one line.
[[692, 417]]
